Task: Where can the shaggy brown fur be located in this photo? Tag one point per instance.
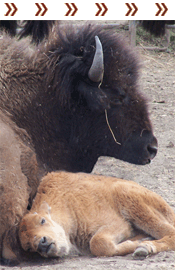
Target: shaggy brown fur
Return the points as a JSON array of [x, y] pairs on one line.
[[20, 176], [108, 215], [45, 92]]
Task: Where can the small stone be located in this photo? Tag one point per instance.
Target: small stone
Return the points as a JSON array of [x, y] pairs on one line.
[[170, 145]]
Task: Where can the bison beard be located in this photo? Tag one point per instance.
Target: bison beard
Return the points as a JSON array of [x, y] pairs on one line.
[[49, 93]]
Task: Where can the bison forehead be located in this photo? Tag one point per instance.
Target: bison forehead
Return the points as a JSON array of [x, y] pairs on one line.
[[73, 51]]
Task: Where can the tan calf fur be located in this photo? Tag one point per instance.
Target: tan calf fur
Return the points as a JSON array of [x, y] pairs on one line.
[[107, 215]]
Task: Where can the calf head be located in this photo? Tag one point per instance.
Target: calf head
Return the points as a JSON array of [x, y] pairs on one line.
[[39, 233]]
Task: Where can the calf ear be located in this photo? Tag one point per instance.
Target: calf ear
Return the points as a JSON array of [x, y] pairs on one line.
[[45, 208]]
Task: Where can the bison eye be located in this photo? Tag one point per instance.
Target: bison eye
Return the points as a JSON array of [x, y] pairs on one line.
[[115, 102], [43, 221]]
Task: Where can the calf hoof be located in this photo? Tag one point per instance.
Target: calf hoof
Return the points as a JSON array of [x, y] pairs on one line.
[[140, 253]]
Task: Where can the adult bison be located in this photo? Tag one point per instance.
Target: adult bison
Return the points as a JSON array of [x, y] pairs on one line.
[[74, 97], [156, 28]]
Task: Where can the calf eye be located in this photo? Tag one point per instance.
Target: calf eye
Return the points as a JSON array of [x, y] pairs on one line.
[[43, 221]]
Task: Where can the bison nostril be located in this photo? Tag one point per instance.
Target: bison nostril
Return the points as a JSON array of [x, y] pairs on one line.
[[152, 149]]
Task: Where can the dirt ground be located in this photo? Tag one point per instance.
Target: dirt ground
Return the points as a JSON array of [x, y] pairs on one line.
[[158, 84]]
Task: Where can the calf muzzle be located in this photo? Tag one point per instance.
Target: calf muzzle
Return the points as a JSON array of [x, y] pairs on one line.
[[44, 245]]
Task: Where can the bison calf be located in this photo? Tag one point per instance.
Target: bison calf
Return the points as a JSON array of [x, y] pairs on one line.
[[108, 215]]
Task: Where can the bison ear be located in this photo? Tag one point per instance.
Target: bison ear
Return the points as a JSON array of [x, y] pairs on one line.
[[44, 207]]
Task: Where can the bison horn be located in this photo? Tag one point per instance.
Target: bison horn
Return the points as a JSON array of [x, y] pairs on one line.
[[96, 71]]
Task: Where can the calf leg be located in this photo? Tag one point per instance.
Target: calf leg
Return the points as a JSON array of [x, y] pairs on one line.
[[152, 247], [159, 225], [107, 240], [130, 245]]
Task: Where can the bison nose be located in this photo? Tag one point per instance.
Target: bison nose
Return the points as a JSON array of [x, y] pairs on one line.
[[43, 245], [152, 149]]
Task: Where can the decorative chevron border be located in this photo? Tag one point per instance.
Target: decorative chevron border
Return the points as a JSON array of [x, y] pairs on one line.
[[87, 10], [72, 9], [163, 10], [11, 9], [42, 9], [102, 9]]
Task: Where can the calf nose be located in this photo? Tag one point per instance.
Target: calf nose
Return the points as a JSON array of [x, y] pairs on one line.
[[43, 245]]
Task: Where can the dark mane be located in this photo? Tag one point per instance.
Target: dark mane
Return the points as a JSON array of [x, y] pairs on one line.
[[72, 49], [38, 30], [58, 63]]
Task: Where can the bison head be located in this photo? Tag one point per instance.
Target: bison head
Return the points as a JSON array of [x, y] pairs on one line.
[[39, 233], [89, 104]]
